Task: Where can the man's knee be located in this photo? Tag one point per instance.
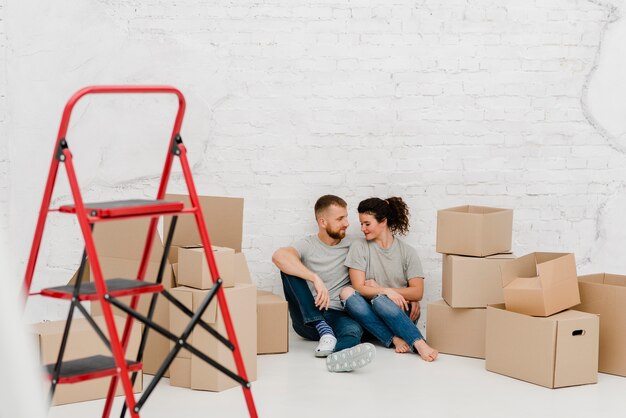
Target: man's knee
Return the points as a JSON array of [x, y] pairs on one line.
[[346, 292]]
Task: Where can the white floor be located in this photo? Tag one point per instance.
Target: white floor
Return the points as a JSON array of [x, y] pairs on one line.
[[297, 384]]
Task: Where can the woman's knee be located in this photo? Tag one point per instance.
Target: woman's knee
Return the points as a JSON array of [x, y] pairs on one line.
[[384, 306], [346, 292]]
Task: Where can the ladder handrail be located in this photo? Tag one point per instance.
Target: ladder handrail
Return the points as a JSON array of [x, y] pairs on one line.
[[116, 89]]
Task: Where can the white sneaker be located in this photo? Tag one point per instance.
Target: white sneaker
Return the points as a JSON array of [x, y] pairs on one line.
[[326, 345], [351, 358]]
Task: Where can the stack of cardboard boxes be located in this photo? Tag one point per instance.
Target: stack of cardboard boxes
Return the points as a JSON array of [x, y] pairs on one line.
[[224, 219], [475, 241], [532, 336], [120, 245]]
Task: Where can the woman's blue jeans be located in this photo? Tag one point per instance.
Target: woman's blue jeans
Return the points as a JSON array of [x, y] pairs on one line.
[[304, 314], [382, 318]]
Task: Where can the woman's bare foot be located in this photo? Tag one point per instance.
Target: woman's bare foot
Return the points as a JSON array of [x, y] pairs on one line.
[[426, 352], [400, 345]]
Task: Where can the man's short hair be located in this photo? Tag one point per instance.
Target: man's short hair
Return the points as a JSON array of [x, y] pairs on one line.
[[326, 201]]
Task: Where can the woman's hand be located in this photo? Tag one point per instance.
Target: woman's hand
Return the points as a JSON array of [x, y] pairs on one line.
[[396, 298], [322, 300], [415, 311]]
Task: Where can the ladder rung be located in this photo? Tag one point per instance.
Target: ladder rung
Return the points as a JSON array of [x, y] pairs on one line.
[[88, 368], [115, 288], [124, 208]]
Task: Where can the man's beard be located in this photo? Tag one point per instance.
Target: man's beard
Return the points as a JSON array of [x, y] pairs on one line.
[[336, 234]]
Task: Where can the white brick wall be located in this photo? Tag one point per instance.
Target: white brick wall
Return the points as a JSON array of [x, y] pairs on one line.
[[442, 103], [4, 150]]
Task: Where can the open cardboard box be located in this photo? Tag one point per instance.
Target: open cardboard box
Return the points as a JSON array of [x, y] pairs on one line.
[[605, 294], [540, 284], [557, 351], [474, 230]]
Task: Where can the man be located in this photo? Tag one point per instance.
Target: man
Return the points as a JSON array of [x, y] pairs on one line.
[[313, 274]]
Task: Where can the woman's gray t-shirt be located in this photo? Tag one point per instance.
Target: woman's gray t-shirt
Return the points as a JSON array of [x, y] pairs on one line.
[[390, 267], [327, 261]]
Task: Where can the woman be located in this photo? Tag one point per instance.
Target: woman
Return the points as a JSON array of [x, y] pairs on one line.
[[387, 279]]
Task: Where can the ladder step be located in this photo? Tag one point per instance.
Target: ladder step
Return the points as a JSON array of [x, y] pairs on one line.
[[126, 208], [88, 368], [115, 287]]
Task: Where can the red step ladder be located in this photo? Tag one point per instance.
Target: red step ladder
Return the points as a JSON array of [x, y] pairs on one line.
[[107, 291]]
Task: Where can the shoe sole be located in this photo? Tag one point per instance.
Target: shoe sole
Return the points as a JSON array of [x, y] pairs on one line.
[[351, 358]]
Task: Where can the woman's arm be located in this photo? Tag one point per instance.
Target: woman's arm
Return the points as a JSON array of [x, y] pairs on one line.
[[415, 291], [357, 278]]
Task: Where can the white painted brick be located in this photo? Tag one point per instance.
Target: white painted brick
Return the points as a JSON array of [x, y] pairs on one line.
[[443, 103]]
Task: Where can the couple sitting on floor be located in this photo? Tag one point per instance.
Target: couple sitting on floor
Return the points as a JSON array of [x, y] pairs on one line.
[[336, 286]]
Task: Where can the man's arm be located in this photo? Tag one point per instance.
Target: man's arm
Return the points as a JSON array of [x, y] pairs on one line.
[[287, 259], [415, 291]]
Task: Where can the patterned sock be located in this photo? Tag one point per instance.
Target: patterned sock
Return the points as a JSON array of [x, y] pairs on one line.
[[323, 328]]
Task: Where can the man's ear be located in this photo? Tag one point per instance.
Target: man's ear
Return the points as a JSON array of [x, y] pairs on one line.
[[322, 221]]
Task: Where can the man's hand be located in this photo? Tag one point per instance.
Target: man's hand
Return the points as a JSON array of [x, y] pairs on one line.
[[322, 300], [397, 298], [415, 311], [371, 283]]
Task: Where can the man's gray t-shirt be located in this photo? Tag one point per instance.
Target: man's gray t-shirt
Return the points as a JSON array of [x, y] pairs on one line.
[[327, 261], [390, 267]]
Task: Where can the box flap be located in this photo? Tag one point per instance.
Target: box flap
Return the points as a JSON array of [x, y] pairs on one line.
[[242, 272], [524, 266], [553, 268], [223, 217]]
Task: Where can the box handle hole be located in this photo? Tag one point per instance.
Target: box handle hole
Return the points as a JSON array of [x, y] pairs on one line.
[[578, 332]]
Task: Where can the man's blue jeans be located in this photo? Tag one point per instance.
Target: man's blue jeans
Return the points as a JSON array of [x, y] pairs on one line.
[[303, 313], [383, 319]]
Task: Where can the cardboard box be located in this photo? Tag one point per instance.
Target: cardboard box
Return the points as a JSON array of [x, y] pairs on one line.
[[605, 294], [241, 301], [456, 331], [472, 282], [272, 323], [180, 372], [120, 246], [474, 230], [224, 221], [540, 284], [193, 269], [82, 342], [557, 351]]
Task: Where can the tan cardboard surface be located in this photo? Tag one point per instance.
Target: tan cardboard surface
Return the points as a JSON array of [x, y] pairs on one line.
[[223, 217], [272, 324], [472, 282], [544, 351], [456, 331], [241, 301], [193, 269], [157, 346], [83, 342], [474, 230], [180, 372], [605, 295], [540, 284]]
